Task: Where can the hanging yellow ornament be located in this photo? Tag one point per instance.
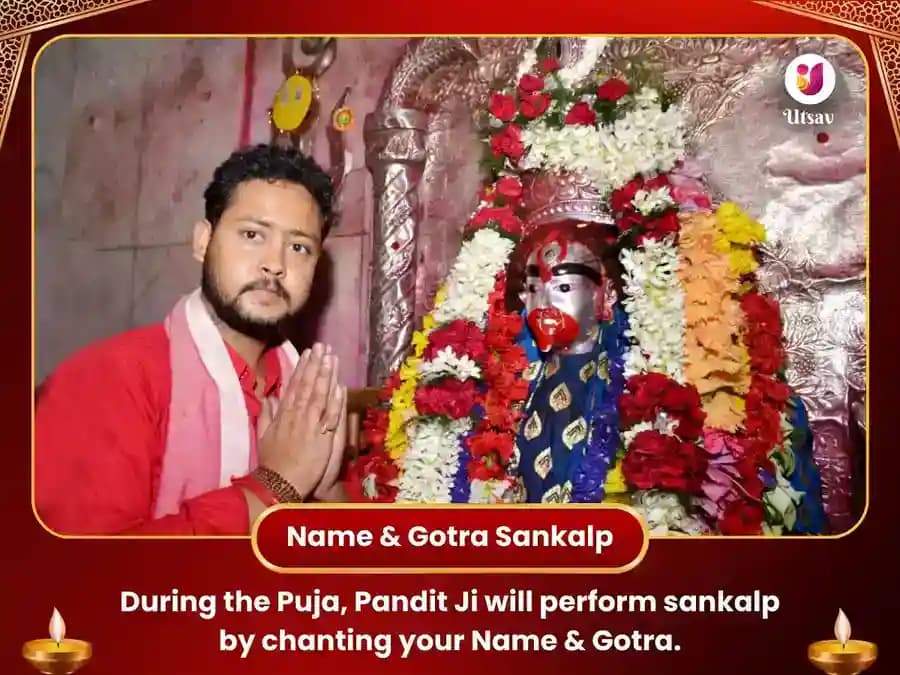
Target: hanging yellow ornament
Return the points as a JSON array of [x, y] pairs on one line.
[[292, 102]]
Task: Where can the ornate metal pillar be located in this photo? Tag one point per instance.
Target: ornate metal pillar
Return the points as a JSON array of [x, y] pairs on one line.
[[395, 154]]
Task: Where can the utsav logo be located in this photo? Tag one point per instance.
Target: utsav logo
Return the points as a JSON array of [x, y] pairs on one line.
[[809, 80]]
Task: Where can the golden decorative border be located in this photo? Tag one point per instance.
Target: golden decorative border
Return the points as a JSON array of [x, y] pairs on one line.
[[12, 58], [879, 19], [20, 18], [28, 16]]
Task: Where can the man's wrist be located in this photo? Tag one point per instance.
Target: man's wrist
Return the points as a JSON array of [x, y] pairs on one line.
[[283, 490]]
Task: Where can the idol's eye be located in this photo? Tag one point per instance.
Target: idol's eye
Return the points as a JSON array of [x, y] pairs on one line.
[[565, 288]]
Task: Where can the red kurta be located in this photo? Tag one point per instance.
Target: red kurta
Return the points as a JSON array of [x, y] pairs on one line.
[[100, 434]]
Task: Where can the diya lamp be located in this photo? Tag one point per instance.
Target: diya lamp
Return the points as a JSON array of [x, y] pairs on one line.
[[58, 655], [842, 656]]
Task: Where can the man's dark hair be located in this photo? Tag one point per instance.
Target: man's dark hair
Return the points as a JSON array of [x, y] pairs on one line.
[[271, 163]]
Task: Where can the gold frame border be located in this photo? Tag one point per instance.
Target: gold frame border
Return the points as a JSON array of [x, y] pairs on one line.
[[755, 538], [6, 111], [254, 541], [66, 18]]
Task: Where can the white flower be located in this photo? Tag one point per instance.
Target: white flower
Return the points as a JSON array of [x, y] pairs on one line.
[[586, 64], [431, 461], [654, 302], [447, 363], [489, 491], [529, 59], [648, 202], [645, 140], [473, 276]]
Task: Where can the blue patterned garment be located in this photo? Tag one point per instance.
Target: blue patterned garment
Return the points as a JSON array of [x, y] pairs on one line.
[[554, 434], [805, 478]]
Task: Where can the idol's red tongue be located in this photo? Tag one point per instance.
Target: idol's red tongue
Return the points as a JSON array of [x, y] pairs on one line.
[[552, 328]]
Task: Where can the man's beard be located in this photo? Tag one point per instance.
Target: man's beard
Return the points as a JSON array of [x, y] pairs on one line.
[[270, 333]]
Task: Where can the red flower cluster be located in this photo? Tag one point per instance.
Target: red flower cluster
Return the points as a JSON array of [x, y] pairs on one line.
[[450, 398], [764, 332], [649, 394], [375, 473], [491, 452], [464, 338], [532, 100], [505, 390], [629, 219], [655, 460], [742, 517], [765, 403], [502, 217]]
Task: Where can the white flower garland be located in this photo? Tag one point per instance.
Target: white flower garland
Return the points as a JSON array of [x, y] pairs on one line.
[[654, 301], [644, 141], [431, 461], [473, 276], [488, 491], [576, 72], [447, 363], [648, 202]]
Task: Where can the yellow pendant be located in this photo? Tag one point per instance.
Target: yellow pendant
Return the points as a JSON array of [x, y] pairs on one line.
[[292, 102]]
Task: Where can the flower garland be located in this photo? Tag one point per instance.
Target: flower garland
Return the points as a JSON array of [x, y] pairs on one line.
[[716, 362], [696, 415], [654, 301], [464, 368]]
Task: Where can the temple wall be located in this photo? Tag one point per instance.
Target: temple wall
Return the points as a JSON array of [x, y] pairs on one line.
[[128, 134]]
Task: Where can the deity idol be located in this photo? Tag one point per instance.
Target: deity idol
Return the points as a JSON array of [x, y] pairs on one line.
[[643, 365]]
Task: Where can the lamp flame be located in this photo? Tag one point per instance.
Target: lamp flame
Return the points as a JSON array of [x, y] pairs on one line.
[[57, 627], [842, 628]]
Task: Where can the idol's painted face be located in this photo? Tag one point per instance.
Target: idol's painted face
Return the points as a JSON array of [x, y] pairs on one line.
[[260, 258], [563, 291]]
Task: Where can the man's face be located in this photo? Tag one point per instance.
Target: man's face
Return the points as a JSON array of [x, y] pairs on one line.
[[562, 295], [259, 260]]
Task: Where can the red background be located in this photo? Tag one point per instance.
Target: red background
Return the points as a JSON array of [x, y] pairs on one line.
[[813, 578]]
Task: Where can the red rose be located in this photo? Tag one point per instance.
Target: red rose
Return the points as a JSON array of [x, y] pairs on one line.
[[501, 216], [510, 187], [502, 106], [530, 84], [581, 113], [508, 142], [742, 517], [451, 398], [549, 65], [370, 477], [613, 89], [464, 338], [534, 105], [487, 194]]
